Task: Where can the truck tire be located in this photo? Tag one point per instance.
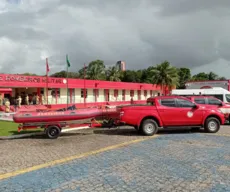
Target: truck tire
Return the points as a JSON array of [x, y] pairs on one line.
[[149, 127], [212, 125], [52, 132]]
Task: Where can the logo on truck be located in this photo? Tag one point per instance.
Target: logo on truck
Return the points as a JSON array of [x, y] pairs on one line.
[[190, 114]]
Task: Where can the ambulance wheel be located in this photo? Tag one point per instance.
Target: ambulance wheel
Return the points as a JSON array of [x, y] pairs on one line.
[[212, 125], [149, 127], [52, 132]]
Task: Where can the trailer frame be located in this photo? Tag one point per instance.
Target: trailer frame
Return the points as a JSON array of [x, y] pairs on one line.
[[52, 130]]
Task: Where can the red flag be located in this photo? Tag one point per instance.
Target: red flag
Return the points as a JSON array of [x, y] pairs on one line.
[[47, 66]]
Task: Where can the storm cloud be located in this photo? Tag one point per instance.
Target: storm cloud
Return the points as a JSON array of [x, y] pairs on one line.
[[194, 34]]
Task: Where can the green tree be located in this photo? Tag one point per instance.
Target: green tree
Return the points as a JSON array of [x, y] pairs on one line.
[[165, 75], [200, 77], [96, 70], [63, 74], [114, 74], [147, 75], [222, 78], [131, 76], [81, 72], [184, 75], [29, 74], [212, 76]]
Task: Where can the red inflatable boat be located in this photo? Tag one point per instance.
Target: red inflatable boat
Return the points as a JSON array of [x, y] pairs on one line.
[[57, 116]]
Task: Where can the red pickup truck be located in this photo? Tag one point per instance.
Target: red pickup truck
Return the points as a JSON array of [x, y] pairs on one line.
[[170, 112], [212, 102]]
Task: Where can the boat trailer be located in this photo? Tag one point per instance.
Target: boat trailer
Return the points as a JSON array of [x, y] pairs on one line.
[[52, 130]]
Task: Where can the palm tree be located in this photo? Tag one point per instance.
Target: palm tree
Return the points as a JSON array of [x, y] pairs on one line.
[[96, 70], [113, 74], [212, 76], [165, 75]]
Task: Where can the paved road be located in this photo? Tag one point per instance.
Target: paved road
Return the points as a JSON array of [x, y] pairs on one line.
[[183, 161]]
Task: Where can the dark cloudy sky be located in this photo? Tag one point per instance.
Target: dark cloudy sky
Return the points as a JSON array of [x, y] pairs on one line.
[[188, 33]]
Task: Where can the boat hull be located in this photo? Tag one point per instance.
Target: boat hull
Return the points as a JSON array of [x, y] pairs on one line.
[[57, 116], [29, 117]]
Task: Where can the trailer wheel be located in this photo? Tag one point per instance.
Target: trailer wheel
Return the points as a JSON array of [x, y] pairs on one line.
[[52, 132], [149, 127]]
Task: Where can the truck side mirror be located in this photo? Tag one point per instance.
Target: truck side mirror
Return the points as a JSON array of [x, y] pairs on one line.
[[195, 106]]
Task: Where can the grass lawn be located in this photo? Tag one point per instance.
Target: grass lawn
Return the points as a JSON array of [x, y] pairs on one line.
[[8, 128]]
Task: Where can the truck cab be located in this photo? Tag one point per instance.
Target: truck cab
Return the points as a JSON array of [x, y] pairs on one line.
[[171, 112]]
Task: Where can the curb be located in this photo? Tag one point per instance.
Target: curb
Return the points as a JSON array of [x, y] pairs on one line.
[[20, 136], [26, 135]]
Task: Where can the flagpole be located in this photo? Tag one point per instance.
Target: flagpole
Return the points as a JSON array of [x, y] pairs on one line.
[[84, 87], [67, 86], [47, 81], [67, 79]]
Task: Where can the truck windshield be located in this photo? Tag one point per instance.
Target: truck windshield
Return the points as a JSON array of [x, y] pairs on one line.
[[227, 97]]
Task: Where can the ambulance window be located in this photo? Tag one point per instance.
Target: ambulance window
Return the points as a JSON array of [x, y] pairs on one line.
[[227, 97], [199, 100], [168, 102], [220, 97], [214, 101]]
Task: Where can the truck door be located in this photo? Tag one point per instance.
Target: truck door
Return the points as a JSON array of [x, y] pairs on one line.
[[188, 115], [168, 112]]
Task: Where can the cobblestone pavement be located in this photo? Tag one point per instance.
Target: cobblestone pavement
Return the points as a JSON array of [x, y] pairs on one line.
[[182, 161]]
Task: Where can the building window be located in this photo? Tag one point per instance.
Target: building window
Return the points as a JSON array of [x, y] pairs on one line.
[[131, 93], [115, 93], [82, 93], [58, 92], [55, 92]]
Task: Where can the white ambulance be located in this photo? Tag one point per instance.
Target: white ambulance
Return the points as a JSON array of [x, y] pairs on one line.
[[218, 92]]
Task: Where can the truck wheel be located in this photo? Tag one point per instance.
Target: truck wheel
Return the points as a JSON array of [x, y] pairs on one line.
[[52, 132], [212, 125], [149, 127]]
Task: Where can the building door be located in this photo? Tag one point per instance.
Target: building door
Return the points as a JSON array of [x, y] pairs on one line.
[[123, 95], [96, 94], [106, 94], [71, 96], [139, 94]]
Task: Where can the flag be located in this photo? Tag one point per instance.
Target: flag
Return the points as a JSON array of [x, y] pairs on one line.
[[47, 66], [67, 61]]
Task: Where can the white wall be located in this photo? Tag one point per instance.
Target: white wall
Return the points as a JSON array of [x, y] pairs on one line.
[[119, 97], [100, 98], [90, 97]]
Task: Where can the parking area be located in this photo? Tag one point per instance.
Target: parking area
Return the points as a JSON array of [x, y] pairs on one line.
[[171, 161]]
